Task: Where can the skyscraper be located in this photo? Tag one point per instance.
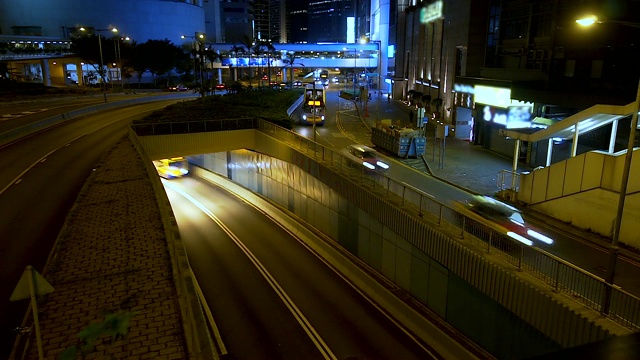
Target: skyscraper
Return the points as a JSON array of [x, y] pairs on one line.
[[328, 20]]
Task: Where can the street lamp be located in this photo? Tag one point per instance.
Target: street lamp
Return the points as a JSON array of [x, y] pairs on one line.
[[195, 38], [116, 48], [614, 248], [355, 65], [592, 19], [103, 85]]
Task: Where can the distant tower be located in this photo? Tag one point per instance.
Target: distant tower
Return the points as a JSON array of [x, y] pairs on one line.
[[261, 20], [328, 20], [297, 21], [238, 21]]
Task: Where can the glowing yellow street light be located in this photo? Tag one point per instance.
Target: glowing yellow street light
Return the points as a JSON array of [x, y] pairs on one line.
[[593, 19], [589, 20]]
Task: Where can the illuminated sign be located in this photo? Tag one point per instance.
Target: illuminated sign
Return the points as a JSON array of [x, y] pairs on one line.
[[431, 12], [463, 88], [488, 95], [519, 117], [351, 30]]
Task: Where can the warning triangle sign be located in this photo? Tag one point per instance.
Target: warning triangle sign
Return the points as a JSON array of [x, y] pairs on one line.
[[40, 285]]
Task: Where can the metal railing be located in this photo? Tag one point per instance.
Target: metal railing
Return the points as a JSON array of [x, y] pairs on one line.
[[560, 275]]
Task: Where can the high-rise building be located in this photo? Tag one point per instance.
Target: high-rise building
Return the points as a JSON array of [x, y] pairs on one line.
[[238, 21], [297, 21], [261, 11], [329, 20]]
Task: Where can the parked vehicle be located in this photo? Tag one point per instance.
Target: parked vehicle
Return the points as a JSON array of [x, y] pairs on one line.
[[221, 86]]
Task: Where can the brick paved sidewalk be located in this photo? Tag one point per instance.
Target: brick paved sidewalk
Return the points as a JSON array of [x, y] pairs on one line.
[[112, 257]]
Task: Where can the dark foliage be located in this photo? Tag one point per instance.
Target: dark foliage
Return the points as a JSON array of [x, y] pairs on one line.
[[270, 105]]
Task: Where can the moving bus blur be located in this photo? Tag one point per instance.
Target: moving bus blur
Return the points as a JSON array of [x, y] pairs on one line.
[[314, 104], [172, 168]]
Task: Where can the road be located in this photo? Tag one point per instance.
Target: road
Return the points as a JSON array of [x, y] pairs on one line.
[[343, 127], [271, 297], [41, 177]]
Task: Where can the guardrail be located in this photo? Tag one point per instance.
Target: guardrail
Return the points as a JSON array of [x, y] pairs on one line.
[[560, 275]]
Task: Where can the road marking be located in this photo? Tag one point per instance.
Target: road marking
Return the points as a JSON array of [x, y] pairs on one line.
[[302, 320], [338, 273], [21, 114]]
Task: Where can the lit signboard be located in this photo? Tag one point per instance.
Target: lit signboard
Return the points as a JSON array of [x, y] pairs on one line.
[[431, 12], [351, 30], [519, 117], [391, 51], [488, 95]]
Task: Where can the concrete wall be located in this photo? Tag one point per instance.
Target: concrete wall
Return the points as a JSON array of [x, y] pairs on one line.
[[584, 191]]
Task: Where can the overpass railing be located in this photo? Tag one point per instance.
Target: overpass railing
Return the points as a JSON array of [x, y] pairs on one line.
[[560, 275]]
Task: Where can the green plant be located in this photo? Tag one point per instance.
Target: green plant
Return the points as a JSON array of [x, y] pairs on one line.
[[114, 326]]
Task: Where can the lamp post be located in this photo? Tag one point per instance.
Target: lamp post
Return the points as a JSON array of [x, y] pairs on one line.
[[355, 65], [614, 247], [195, 38], [116, 46], [102, 85]]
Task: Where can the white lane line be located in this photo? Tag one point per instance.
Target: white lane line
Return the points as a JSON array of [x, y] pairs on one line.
[[302, 320], [382, 310], [18, 178]]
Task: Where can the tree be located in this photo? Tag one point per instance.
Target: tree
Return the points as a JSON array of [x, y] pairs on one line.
[[289, 59], [266, 48], [87, 48], [437, 102], [159, 57], [236, 50], [258, 52], [247, 43], [210, 55]]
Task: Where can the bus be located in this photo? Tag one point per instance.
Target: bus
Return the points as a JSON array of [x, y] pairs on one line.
[[172, 168], [313, 107]]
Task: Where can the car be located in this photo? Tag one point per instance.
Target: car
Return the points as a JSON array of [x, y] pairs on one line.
[[503, 217], [178, 88], [221, 86], [334, 80], [365, 156], [297, 83]]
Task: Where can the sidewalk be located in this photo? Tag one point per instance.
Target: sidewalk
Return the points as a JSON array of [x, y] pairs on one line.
[[464, 164], [112, 257]]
